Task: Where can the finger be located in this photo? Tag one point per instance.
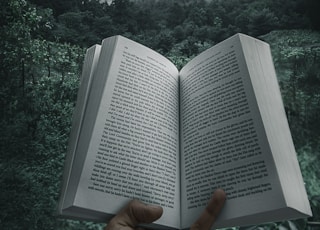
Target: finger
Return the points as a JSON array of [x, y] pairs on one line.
[[211, 212], [135, 213], [143, 213]]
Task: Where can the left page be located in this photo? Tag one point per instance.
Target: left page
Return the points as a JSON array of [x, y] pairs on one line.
[[134, 146], [89, 66]]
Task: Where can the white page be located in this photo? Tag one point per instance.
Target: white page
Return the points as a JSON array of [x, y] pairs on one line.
[[223, 142], [134, 147]]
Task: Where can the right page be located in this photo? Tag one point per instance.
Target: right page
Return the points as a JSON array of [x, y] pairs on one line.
[[235, 136]]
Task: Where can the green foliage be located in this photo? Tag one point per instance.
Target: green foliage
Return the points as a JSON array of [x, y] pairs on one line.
[[40, 76], [308, 160], [312, 8], [34, 137], [297, 59], [285, 225], [262, 21], [90, 21], [38, 91]]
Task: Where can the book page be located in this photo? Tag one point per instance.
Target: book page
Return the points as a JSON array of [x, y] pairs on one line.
[[277, 129], [223, 142], [134, 147], [89, 66]]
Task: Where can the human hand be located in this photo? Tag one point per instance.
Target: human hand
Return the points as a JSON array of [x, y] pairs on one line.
[[133, 214], [211, 212], [136, 213]]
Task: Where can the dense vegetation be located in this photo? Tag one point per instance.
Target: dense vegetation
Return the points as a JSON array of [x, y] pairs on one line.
[[41, 52]]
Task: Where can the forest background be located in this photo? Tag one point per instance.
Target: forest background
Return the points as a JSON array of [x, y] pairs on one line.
[[42, 46]]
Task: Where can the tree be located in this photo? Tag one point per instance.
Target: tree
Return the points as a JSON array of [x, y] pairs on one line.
[[58, 6], [75, 27], [262, 21], [39, 83], [176, 15], [165, 40], [297, 55], [313, 8]]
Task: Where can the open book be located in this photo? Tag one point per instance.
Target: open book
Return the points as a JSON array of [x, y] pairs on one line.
[[142, 129]]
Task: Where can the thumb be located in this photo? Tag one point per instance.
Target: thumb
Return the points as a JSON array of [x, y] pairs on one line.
[[136, 213], [211, 212], [142, 213]]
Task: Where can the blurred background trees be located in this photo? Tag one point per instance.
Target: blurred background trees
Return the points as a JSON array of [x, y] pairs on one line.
[[42, 47]]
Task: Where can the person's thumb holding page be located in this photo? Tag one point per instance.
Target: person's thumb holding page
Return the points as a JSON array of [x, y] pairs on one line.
[[211, 212], [136, 213], [133, 214]]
